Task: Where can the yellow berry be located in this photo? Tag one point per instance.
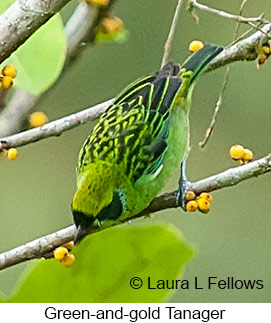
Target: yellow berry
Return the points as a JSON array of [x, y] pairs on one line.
[[192, 206], [7, 82], [1, 85], [12, 153], [60, 253], [190, 195], [98, 3], [206, 196], [195, 45], [237, 152], [111, 24], [69, 245], [38, 119], [68, 260], [204, 205], [248, 155], [9, 70]]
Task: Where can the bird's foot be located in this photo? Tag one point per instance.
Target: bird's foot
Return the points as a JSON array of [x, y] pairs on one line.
[[183, 185]]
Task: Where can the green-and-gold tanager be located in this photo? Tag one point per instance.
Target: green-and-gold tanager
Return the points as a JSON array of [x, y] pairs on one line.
[[136, 145]]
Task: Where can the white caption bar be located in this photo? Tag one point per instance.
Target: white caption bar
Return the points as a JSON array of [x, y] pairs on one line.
[[155, 312]]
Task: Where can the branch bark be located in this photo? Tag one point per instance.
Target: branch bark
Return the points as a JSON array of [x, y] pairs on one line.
[[22, 19], [54, 128], [246, 49], [44, 246]]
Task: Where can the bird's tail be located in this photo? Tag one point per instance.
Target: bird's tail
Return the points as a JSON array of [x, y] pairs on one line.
[[198, 62]]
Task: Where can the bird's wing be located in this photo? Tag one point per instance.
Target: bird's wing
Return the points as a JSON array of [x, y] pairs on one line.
[[140, 86], [133, 131]]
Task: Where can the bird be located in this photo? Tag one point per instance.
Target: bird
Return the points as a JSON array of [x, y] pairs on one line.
[[136, 145]]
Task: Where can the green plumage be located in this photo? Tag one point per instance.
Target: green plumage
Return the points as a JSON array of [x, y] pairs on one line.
[[136, 144]]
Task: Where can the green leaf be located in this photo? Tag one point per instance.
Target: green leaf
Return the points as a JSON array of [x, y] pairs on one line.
[[4, 4], [40, 59], [105, 263]]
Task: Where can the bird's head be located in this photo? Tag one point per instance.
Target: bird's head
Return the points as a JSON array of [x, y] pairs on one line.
[[95, 199]]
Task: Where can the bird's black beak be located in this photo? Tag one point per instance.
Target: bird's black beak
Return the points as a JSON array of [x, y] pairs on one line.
[[85, 225], [80, 233]]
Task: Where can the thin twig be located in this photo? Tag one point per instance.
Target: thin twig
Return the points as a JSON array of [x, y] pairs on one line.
[[242, 36], [259, 29], [224, 14], [171, 32], [210, 129], [241, 10], [43, 247]]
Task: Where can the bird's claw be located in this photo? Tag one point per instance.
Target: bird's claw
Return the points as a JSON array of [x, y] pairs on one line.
[[183, 184], [180, 195]]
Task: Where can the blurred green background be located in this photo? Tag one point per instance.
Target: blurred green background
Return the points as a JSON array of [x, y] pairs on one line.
[[233, 240]]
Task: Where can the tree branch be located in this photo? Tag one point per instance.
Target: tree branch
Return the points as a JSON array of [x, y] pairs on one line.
[[54, 128], [246, 49], [36, 248], [82, 26], [22, 19], [43, 247], [77, 29]]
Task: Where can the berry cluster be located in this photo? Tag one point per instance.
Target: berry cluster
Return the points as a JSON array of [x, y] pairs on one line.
[[241, 154], [62, 254], [201, 202], [7, 74]]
